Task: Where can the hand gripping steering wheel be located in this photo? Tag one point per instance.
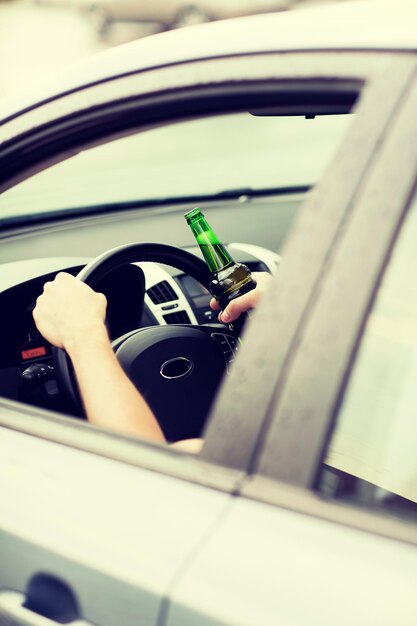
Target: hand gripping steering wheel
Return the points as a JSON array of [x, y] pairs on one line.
[[177, 368]]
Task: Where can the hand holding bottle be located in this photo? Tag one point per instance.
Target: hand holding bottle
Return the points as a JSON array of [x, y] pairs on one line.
[[243, 303], [229, 280]]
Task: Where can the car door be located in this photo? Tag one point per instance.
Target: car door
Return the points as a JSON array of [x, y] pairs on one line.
[[105, 521], [100, 534], [325, 530]]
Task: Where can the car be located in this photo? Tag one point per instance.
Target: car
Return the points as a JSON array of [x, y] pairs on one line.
[[295, 135]]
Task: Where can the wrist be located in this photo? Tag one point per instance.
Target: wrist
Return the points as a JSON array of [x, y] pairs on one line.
[[86, 341]]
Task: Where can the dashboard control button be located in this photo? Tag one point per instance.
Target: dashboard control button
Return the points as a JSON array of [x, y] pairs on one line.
[[37, 373]]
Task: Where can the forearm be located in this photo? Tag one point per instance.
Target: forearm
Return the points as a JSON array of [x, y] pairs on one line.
[[110, 399]]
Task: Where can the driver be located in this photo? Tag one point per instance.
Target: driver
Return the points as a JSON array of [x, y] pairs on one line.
[[71, 316]]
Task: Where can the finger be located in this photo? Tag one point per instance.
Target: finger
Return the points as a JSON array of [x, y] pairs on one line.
[[63, 276], [214, 304], [39, 306], [102, 299], [238, 306], [35, 312]]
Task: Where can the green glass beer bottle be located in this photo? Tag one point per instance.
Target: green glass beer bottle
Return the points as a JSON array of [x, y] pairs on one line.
[[228, 278]]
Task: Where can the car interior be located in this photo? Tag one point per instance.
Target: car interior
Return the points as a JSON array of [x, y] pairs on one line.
[[248, 170]]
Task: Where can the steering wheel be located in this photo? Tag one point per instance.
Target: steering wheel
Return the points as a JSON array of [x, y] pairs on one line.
[[176, 368]]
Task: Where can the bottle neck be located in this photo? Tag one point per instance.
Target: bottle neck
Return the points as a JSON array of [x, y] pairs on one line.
[[215, 254]]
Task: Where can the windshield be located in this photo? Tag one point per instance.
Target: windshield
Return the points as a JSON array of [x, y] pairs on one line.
[[201, 157]]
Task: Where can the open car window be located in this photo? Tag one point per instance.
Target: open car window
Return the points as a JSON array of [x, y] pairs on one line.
[[372, 457], [195, 158], [227, 160]]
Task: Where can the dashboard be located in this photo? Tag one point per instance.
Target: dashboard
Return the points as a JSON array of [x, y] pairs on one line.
[[171, 297]]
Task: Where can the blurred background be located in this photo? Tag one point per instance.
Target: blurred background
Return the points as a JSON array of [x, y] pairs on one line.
[[41, 37]]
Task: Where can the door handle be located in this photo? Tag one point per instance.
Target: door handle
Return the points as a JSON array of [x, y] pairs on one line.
[[11, 608]]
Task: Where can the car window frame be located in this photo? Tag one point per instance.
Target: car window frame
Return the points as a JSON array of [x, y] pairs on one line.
[[297, 445], [39, 127], [267, 354], [366, 67]]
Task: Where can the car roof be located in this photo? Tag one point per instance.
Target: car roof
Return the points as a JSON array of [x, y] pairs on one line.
[[353, 25]]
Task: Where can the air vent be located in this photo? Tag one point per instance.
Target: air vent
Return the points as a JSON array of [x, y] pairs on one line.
[[162, 292], [181, 317]]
